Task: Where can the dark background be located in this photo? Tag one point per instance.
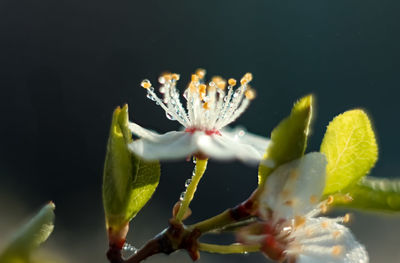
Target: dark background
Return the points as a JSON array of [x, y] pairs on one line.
[[65, 65]]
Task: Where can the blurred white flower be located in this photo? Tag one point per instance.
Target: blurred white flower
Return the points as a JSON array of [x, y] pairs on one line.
[[209, 109], [291, 229]]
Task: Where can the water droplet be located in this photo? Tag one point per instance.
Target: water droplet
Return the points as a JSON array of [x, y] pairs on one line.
[[194, 160], [169, 116], [194, 172], [241, 133], [149, 96], [245, 253], [129, 249], [188, 181], [182, 196]]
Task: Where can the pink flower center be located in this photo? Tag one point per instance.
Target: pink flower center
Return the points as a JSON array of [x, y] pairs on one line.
[[208, 132]]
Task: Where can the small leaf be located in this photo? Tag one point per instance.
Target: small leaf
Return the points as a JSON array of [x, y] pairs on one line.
[[289, 138], [372, 194], [29, 237], [128, 181], [351, 150]]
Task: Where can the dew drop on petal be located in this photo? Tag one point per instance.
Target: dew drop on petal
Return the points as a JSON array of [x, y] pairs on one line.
[[194, 159]]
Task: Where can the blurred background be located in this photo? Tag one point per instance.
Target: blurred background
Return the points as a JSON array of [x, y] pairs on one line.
[[65, 65]]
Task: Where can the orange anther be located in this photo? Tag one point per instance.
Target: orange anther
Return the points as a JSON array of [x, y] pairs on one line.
[[250, 94], [201, 73], [195, 78], [232, 82], [146, 84], [175, 76]]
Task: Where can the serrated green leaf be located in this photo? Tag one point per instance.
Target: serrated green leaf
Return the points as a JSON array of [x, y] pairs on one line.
[[29, 237], [371, 194], [128, 181], [289, 138], [350, 148]]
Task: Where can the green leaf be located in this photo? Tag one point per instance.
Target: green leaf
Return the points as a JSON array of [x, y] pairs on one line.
[[371, 194], [29, 237], [289, 138], [350, 148], [128, 181]]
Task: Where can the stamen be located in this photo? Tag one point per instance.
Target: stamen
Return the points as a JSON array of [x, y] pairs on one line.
[[232, 82], [201, 73], [146, 84], [346, 218], [330, 200], [195, 78], [250, 94], [246, 78], [208, 107], [176, 76]]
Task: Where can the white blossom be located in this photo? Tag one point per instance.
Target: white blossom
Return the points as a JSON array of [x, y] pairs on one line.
[[291, 228], [209, 109]]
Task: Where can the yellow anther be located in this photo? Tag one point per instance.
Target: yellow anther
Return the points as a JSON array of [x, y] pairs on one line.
[[346, 218], [202, 88], [201, 73], [313, 199], [248, 76], [232, 82], [250, 94], [337, 250], [299, 221], [216, 79], [195, 78], [330, 200], [221, 84], [167, 77], [206, 106], [146, 84], [175, 76]]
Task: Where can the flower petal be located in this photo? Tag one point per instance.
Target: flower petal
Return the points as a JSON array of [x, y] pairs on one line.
[[259, 143], [169, 146], [142, 132], [324, 240], [224, 147], [295, 187]]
